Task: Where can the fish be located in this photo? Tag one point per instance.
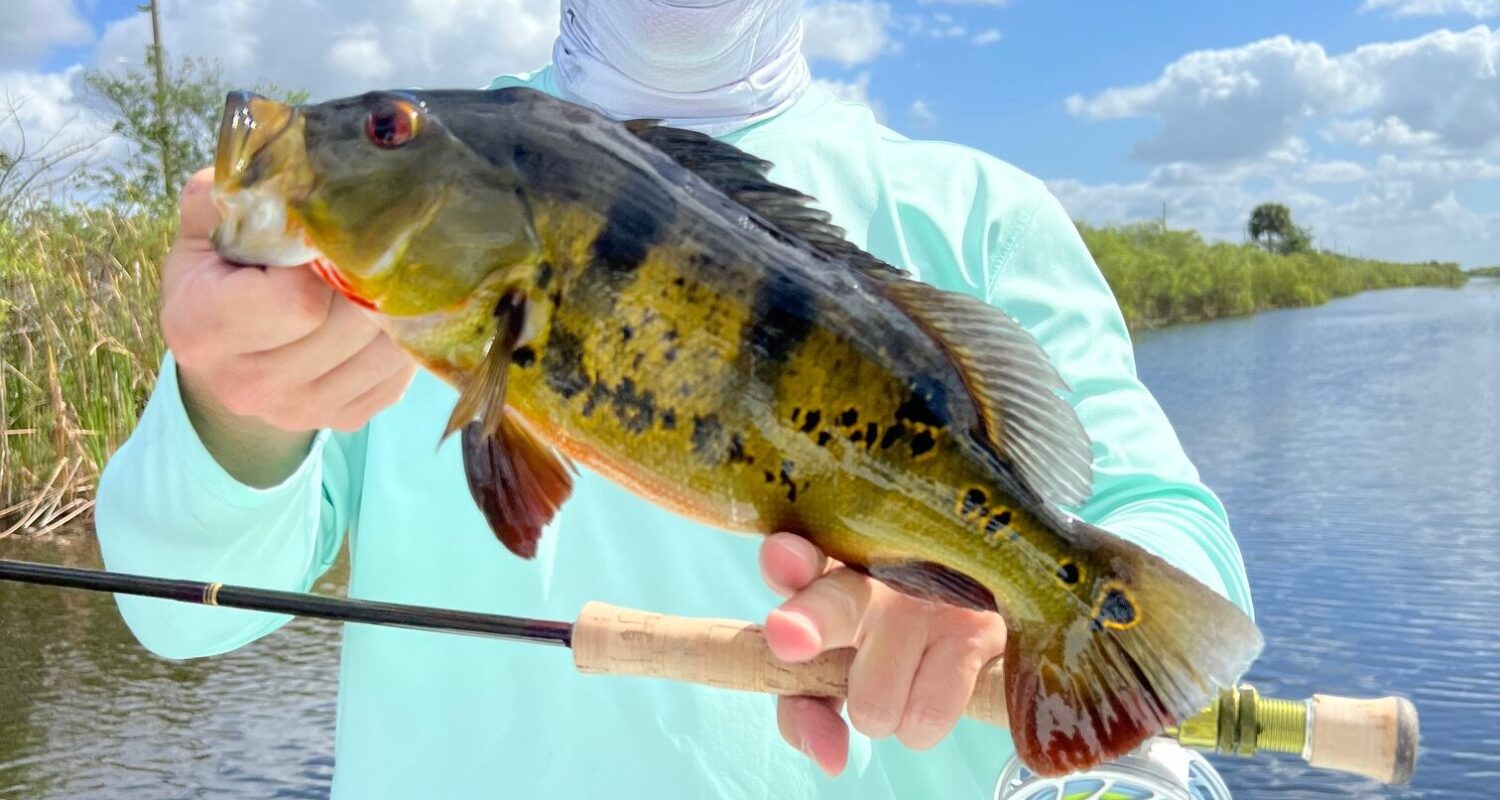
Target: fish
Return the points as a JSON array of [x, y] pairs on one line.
[[641, 300]]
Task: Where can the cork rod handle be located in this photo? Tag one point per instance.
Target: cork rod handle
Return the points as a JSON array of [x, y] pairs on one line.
[[727, 654], [1374, 738]]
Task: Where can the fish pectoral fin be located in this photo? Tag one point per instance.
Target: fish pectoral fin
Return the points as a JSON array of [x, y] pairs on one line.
[[1014, 385], [517, 481], [742, 178], [483, 396], [931, 581]]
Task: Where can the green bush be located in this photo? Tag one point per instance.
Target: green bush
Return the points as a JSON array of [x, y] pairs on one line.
[[1162, 276]]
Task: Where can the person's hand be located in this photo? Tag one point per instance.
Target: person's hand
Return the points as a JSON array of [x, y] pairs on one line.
[[915, 666], [266, 356]]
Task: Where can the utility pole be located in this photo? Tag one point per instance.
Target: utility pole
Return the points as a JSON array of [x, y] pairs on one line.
[[164, 140]]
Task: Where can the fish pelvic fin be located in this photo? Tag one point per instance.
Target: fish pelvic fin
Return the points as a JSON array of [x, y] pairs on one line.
[[517, 481], [1151, 648]]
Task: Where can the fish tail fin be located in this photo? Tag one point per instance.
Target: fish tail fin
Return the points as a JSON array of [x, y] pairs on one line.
[[1150, 648]]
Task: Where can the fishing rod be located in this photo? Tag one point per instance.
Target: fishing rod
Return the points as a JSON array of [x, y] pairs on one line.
[[1376, 738]]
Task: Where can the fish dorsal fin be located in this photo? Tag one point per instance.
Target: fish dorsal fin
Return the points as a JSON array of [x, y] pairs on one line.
[[1014, 386], [742, 177]]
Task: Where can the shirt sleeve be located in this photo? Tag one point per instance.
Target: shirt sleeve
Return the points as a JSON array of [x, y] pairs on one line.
[[1145, 489], [166, 508]]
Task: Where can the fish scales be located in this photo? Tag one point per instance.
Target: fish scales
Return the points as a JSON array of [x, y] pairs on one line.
[[641, 300]]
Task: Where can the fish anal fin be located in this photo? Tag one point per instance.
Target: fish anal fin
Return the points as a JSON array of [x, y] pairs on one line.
[[742, 177], [1015, 387], [517, 481], [931, 581], [1151, 647]]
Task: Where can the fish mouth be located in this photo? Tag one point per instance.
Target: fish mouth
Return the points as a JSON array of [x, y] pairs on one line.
[[260, 167]]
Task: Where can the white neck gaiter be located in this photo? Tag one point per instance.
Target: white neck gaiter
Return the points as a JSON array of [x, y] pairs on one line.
[[708, 65]]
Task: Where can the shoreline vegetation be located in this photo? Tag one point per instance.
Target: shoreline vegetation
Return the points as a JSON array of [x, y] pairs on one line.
[[1164, 277], [80, 345], [1485, 272]]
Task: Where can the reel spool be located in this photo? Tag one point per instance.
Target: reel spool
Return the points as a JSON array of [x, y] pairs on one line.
[[1160, 769]]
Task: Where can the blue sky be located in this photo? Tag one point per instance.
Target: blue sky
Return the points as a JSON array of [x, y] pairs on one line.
[[1378, 121]]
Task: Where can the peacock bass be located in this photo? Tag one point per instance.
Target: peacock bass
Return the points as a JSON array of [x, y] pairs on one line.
[[642, 300]]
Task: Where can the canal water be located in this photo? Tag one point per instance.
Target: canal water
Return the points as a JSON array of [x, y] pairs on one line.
[[1356, 445]]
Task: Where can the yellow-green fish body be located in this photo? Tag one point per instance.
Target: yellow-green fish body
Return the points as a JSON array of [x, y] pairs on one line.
[[643, 301]]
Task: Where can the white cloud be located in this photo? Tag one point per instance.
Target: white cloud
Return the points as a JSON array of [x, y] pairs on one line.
[[854, 91], [1478, 9], [30, 29], [921, 114], [339, 49], [41, 120], [987, 36], [1223, 105], [1390, 132], [846, 31]]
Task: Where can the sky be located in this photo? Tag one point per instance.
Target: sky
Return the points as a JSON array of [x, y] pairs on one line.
[[1376, 121]]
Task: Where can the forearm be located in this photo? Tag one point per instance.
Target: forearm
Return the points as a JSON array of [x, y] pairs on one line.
[[255, 453], [167, 508]]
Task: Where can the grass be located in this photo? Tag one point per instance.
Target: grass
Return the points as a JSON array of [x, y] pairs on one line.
[[1162, 277], [79, 342], [79, 348]]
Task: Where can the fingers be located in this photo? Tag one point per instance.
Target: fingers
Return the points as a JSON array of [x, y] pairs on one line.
[[880, 679], [824, 615], [813, 725], [262, 309], [943, 684], [196, 207], [353, 415], [344, 335], [789, 562]]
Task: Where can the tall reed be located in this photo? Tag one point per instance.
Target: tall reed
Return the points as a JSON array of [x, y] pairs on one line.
[[79, 348]]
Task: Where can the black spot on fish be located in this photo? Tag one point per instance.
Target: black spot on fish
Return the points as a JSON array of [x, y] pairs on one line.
[[927, 404], [736, 453], [872, 432], [1068, 573], [668, 420], [523, 357], [1116, 609], [770, 476], [922, 443], [598, 392], [544, 275], [706, 432], [562, 363], [631, 227], [786, 480], [891, 435], [857, 436], [810, 422], [781, 319], [680, 281], [849, 418], [973, 501], [670, 355], [823, 437], [998, 523], [635, 363], [636, 410], [626, 332], [796, 414]]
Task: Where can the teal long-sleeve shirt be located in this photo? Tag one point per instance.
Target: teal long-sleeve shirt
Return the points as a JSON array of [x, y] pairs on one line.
[[428, 715]]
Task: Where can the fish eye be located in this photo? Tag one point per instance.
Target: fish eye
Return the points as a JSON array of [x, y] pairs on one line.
[[392, 124]]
